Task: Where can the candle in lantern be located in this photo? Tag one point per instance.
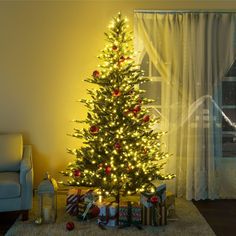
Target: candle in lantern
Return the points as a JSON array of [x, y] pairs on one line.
[[47, 213], [100, 198]]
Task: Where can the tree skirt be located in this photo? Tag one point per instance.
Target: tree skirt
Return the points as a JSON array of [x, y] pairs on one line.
[[188, 221]]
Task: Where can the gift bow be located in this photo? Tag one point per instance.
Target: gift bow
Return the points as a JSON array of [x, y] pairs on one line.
[[90, 199]]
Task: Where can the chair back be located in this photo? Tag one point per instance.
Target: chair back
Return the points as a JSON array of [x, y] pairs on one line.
[[11, 151]]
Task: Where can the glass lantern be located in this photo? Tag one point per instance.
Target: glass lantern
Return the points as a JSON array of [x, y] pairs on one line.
[[47, 200]]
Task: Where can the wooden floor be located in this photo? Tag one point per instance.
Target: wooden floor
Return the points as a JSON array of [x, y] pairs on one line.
[[220, 215], [7, 220]]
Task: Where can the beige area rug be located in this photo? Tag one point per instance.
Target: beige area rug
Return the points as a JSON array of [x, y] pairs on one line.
[[188, 222]]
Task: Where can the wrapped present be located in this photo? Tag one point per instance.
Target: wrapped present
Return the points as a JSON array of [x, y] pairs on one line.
[[86, 205], [87, 211], [108, 213], [170, 204], [72, 201], [76, 196], [130, 213], [154, 210], [161, 192]]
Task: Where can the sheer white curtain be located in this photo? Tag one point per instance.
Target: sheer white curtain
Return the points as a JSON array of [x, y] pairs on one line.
[[191, 51]]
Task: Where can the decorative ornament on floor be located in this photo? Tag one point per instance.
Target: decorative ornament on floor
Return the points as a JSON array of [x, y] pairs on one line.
[[117, 129], [70, 225]]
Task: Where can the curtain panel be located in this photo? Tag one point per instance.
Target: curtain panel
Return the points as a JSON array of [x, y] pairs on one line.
[[191, 52]]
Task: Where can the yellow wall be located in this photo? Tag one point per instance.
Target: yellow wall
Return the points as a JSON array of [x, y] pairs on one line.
[[46, 50]]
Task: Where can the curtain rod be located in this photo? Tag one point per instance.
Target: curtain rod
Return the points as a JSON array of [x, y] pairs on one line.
[[184, 11]]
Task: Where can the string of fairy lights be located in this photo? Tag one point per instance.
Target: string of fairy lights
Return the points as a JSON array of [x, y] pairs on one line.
[[121, 153]]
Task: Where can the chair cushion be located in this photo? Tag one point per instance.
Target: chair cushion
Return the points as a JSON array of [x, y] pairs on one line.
[[9, 185], [11, 150]]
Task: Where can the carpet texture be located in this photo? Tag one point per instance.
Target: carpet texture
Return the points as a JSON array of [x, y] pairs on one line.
[[188, 222]]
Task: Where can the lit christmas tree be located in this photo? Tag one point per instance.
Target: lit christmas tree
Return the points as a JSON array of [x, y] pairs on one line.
[[121, 152]]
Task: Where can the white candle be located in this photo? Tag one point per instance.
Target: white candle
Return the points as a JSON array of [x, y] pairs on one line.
[[100, 198], [47, 213]]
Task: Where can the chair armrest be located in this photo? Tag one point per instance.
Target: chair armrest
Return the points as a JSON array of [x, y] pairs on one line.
[[26, 162], [26, 178]]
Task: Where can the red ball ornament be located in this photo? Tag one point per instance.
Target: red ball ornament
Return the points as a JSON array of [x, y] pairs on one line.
[[131, 91], [140, 100], [76, 173], [117, 146], [116, 93], [96, 74], [114, 47], [146, 118], [154, 199], [108, 170], [70, 225], [137, 109], [122, 59], [94, 129], [95, 211]]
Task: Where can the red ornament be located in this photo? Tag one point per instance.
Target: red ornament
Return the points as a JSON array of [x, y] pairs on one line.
[[70, 225], [117, 146], [146, 118], [94, 129], [136, 109], [154, 199], [94, 211], [122, 59], [129, 168], [116, 93], [140, 100], [76, 173], [114, 48], [108, 170], [96, 74], [131, 91]]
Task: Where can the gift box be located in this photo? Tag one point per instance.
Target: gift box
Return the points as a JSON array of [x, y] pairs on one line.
[[87, 211], [108, 213], [170, 204], [72, 201], [130, 213], [86, 205], [75, 197], [154, 210]]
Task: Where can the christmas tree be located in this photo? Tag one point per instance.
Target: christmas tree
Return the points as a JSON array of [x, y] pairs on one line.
[[121, 153]]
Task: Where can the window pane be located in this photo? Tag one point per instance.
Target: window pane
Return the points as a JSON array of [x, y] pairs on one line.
[[229, 145], [153, 91], [228, 123], [145, 65], [229, 93], [155, 71], [149, 70]]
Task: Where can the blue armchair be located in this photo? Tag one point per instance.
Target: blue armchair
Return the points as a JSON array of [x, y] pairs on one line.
[[16, 175]]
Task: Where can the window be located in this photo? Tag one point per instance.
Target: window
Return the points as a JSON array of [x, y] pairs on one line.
[[153, 87], [229, 117]]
